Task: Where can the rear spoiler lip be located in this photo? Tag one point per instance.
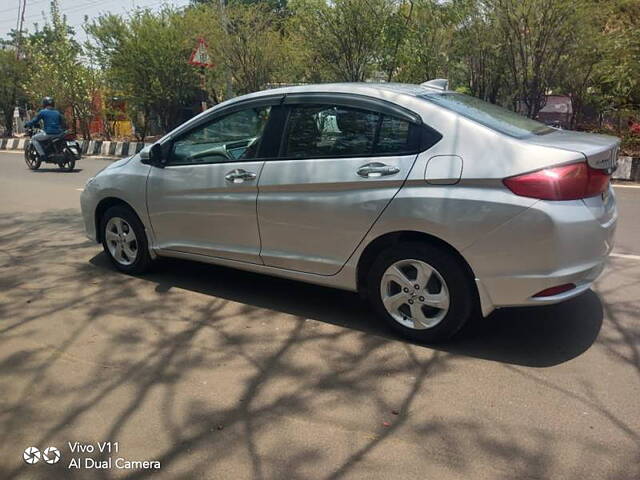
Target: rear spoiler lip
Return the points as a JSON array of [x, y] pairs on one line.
[[600, 151]]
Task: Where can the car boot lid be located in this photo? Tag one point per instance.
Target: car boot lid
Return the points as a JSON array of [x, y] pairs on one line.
[[601, 151]]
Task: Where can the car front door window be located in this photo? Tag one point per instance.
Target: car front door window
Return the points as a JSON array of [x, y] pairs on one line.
[[231, 138]]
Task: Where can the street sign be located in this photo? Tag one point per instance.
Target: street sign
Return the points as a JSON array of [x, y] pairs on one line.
[[200, 56]]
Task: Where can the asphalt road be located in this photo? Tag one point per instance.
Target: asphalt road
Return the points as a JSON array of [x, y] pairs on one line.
[[223, 374]]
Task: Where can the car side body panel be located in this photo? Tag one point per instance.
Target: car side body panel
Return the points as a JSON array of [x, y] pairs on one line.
[[126, 181]]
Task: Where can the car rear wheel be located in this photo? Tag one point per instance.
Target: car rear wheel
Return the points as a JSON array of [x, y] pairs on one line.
[[422, 291], [124, 240]]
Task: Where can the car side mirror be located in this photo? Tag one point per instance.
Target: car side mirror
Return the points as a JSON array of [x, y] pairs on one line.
[[153, 155]]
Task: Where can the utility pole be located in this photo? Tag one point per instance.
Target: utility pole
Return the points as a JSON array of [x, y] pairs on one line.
[[227, 72], [20, 25], [18, 19]]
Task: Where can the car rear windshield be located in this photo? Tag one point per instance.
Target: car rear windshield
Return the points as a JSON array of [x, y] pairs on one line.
[[488, 114]]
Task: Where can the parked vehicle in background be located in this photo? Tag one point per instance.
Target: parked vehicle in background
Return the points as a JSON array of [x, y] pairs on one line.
[[62, 150], [433, 204]]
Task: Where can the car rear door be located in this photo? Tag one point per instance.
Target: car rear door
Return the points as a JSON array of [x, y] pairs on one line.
[[340, 163]]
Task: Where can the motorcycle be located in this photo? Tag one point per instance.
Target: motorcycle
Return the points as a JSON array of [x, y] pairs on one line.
[[62, 149]]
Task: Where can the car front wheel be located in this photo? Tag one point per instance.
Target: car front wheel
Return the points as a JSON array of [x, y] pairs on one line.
[[124, 240], [422, 291]]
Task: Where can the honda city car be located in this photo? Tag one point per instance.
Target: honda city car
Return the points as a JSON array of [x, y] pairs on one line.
[[434, 205]]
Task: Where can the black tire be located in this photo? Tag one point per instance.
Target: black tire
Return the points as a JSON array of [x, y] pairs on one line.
[[31, 157], [69, 162], [143, 260], [460, 285]]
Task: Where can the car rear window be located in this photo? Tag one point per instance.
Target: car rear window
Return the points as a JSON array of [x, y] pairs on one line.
[[495, 117], [329, 131]]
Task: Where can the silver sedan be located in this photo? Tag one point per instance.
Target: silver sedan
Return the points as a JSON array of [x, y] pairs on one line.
[[434, 205]]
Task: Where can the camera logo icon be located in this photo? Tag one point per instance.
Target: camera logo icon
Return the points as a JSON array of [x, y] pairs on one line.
[[31, 455], [51, 455]]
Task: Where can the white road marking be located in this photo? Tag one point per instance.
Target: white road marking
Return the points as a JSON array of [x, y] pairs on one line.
[[625, 255], [80, 189], [625, 186]]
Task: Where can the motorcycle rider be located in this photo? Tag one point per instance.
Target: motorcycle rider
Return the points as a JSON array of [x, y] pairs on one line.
[[53, 124]]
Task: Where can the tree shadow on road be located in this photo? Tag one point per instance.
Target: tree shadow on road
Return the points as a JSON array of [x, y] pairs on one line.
[[534, 337], [249, 378]]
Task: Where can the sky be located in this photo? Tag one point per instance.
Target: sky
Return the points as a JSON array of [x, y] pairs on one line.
[[75, 10]]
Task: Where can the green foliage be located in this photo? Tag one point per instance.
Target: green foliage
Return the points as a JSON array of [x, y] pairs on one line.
[[511, 52], [146, 57], [535, 36], [478, 60], [55, 69], [425, 51], [247, 44], [344, 37], [618, 72]]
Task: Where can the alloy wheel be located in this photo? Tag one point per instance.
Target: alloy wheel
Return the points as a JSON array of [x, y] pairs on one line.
[[121, 241], [415, 294]]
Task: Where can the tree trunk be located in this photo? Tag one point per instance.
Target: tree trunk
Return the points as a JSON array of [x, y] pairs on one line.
[[8, 122]]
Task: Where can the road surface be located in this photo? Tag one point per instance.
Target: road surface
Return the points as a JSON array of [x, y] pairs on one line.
[[216, 373]]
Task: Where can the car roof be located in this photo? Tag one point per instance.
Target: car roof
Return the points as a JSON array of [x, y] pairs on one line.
[[377, 90]]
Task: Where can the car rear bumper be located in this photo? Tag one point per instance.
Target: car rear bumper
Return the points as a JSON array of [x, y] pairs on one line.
[[549, 244]]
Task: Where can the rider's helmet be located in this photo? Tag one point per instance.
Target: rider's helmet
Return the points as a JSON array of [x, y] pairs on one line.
[[48, 101]]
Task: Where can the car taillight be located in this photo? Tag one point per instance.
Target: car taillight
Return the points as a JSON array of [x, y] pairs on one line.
[[567, 182], [70, 136]]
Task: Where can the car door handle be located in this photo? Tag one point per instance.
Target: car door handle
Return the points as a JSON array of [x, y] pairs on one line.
[[377, 169], [239, 175]]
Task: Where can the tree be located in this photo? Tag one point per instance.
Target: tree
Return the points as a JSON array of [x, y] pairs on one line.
[[146, 57], [344, 37], [617, 76], [278, 7], [535, 36], [56, 70], [12, 77], [579, 66], [477, 50], [249, 46], [425, 51], [395, 35]]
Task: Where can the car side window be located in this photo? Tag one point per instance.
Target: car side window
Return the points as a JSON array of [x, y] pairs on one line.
[[325, 131], [233, 137], [394, 136], [328, 131]]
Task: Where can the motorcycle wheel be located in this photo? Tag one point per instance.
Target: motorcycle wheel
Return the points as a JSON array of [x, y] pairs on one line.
[[31, 157], [69, 162]]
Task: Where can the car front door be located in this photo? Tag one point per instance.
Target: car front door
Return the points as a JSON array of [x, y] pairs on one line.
[[338, 167], [204, 200]]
